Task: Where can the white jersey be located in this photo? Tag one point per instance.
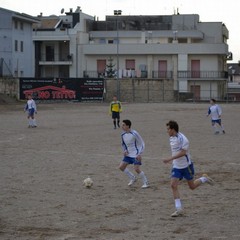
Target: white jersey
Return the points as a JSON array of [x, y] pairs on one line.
[[133, 143], [31, 105], [178, 143], [215, 111]]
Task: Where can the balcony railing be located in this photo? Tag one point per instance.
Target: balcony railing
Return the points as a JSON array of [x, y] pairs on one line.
[[132, 74], [56, 57], [203, 74], [122, 74], [162, 74]]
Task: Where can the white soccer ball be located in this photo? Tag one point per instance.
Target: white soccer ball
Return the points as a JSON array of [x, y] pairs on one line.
[[88, 182]]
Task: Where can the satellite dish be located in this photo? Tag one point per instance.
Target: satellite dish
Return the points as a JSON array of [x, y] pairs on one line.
[[62, 10]]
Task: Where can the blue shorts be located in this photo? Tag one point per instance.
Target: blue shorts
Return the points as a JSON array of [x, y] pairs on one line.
[[31, 112], [131, 160], [187, 173], [216, 121]]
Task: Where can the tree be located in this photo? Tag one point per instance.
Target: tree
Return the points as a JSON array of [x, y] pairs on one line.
[[111, 71]]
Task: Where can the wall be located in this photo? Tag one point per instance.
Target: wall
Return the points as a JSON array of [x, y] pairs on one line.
[[10, 87], [139, 90]]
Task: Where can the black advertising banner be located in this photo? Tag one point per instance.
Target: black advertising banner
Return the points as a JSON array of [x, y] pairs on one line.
[[92, 89], [70, 89]]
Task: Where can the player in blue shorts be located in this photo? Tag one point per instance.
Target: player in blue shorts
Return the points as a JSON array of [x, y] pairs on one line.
[[215, 111], [133, 147], [31, 108], [182, 165]]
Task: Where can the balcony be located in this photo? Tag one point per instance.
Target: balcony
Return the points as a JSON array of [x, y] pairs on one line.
[[155, 49], [203, 74], [63, 59]]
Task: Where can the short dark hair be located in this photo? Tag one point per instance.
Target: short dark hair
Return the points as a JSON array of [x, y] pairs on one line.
[[127, 122], [213, 100], [173, 125]]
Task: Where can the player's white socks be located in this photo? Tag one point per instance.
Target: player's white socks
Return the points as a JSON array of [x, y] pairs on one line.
[[178, 204], [222, 128], [143, 176], [215, 128], [130, 174], [34, 122], [30, 122]]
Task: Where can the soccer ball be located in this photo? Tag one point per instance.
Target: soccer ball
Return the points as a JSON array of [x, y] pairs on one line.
[[88, 182]]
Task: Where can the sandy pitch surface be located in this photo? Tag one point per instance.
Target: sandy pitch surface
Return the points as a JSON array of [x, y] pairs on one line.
[[42, 170]]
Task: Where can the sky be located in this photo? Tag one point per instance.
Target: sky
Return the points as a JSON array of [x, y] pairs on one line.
[[223, 11]]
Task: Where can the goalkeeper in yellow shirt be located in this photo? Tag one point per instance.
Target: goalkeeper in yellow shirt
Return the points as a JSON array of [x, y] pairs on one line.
[[114, 109]]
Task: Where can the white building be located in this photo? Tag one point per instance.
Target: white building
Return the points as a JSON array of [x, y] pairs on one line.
[[58, 43], [16, 45]]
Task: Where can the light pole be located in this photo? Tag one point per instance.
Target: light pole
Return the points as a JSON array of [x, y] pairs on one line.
[[117, 13]]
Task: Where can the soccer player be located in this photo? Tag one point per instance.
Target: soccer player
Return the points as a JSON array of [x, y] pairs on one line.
[[182, 166], [133, 146], [32, 110], [114, 110], [215, 111]]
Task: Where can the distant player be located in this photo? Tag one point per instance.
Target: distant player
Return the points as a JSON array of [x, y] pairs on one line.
[[182, 166], [215, 111], [31, 108], [115, 109], [133, 146]]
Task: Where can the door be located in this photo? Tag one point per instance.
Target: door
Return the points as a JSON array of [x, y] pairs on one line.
[[195, 89], [130, 64], [101, 67], [162, 68], [195, 68]]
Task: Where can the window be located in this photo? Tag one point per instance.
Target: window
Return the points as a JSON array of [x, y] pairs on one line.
[[102, 40], [110, 41], [16, 24], [130, 64], [21, 46], [16, 45], [21, 25], [182, 40], [49, 53]]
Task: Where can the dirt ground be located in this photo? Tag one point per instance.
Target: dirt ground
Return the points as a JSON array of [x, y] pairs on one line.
[[42, 170]]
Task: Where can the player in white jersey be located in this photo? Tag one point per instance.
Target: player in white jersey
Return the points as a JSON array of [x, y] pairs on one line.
[[31, 108], [133, 147], [182, 165], [215, 111]]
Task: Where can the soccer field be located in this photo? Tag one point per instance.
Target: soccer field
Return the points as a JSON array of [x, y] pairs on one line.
[[42, 171]]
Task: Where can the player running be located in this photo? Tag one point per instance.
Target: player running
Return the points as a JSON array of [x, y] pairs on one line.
[[133, 146], [182, 166], [215, 111]]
